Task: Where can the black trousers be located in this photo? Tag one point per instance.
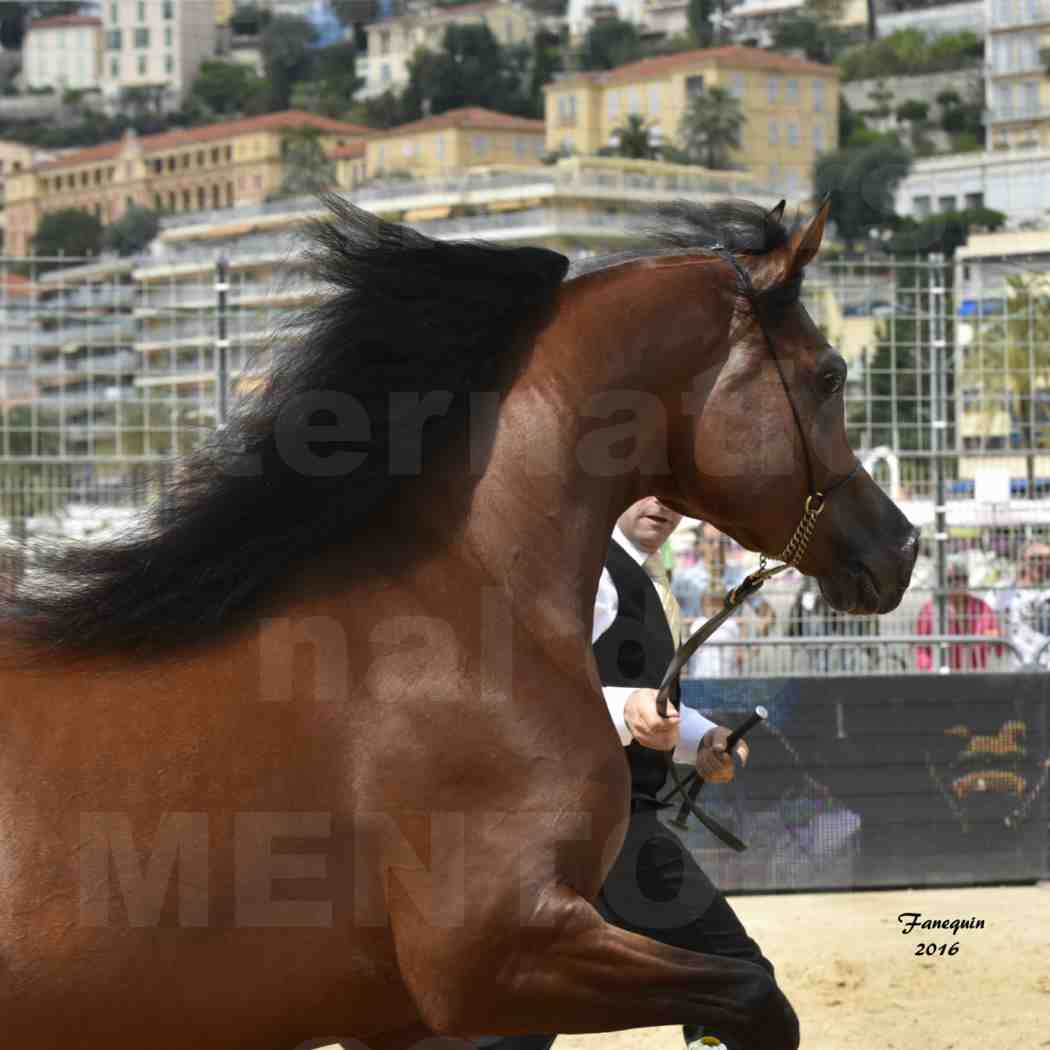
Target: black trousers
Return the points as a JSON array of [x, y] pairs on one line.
[[655, 888]]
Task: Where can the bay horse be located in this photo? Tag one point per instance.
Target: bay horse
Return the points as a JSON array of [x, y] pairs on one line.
[[319, 751]]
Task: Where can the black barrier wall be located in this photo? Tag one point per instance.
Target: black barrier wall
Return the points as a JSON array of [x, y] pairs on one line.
[[879, 781]]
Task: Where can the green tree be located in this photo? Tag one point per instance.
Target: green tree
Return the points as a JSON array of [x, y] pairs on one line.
[[68, 232], [862, 183], [633, 139], [944, 232], [334, 81], [700, 28], [819, 41], [132, 232], [307, 168], [610, 43], [545, 61], [285, 44], [471, 69], [226, 89], [710, 128], [380, 111], [249, 19]]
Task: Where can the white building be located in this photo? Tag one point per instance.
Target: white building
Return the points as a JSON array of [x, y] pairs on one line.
[[63, 53], [942, 20], [155, 44], [1014, 182]]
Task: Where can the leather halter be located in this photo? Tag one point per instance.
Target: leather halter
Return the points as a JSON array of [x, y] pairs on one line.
[[790, 557]]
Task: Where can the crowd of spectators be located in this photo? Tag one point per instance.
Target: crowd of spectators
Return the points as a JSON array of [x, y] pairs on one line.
[[997, 586]]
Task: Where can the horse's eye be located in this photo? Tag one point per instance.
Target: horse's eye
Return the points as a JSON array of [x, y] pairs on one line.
[[833, 380]]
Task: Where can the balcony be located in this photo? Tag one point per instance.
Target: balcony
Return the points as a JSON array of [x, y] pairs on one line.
[[1015, 14]]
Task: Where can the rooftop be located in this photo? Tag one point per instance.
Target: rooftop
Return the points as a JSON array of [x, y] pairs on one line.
[[733, 57], [466, 117], [209, 133], [64, 21]]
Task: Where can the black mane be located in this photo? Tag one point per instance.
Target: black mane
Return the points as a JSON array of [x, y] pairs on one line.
[[406, 314], [739, 226]]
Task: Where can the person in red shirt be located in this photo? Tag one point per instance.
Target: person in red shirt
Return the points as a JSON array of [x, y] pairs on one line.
[[967, 614]]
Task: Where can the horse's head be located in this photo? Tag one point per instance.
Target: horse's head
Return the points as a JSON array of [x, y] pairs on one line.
[[765, 428]]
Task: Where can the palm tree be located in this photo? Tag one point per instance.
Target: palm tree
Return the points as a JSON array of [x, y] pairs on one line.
[[633, 139], [710, 128]]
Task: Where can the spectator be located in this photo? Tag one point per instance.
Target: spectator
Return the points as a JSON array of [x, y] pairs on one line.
[[711, 660], [966, 615], [1026, 607], [713, 574], [811, 616]]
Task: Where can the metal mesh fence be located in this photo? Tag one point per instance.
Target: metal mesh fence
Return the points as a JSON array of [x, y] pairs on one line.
[[108, 369]]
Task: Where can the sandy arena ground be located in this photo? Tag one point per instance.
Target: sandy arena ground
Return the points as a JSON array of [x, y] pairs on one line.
[[857, 985]]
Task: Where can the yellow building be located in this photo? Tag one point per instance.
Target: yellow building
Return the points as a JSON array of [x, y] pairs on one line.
[[458, 139], [215, 166], [790, 107], [393, 41]]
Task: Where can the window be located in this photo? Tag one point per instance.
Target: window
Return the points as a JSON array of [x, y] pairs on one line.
[[737, 85], [143, 64], [654, 99], [201, 158], [169, 9], [791, 92], [818, 136], [694, 86], [142, 11], [773, 89], [168, 35], [520, 146], [202, 198], [612, 105], [480, 144], [141, 37], [114, 68], [381, 156], [384, 73], [440, 148], [215, 155], [114, 40], [818, 96], [975, 200], [921, 206], [567, 110], [634, 101], [169, 64], [792, 133], [946, 203], [114, 13], [774, 133], [1031, 96]]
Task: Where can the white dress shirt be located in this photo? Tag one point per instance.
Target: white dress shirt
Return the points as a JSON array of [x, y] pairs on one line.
[[693, 725]]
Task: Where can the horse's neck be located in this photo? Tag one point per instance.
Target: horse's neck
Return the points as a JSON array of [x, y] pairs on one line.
[[540, 513]]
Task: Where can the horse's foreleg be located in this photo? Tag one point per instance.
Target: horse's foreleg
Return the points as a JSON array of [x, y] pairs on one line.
[[570, 971]]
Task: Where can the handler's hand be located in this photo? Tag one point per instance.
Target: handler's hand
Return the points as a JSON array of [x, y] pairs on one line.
[[713, 762], [645, 723]]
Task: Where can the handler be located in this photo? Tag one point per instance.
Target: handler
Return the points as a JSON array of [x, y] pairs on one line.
[[655, 887]]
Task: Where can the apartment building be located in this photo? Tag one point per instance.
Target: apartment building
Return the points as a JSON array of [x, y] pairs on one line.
[[790, 107], [653, 17], [753, 21], [63, 53], [155, 47], [1017, 47], [216, 166], [457, 139], [393, 41]]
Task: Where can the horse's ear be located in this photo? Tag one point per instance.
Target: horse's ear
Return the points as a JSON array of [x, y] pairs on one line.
[[805, 242], [777, 214]]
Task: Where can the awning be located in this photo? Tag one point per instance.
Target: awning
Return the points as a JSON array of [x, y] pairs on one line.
[[425, 214]]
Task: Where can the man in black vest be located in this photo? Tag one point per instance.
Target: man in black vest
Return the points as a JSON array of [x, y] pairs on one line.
[[655, 887]]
